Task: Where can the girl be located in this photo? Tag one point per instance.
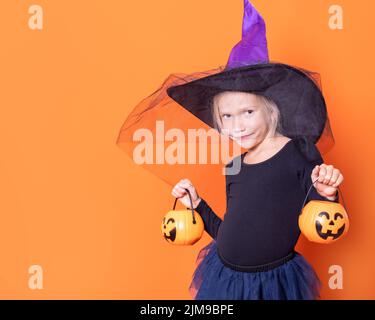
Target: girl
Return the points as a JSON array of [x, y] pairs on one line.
[[278, 113], [252, 253]]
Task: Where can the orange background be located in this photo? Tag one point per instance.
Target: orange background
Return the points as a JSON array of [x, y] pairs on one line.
[[75, 204]]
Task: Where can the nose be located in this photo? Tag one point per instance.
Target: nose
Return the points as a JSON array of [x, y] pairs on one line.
[[238, 125]]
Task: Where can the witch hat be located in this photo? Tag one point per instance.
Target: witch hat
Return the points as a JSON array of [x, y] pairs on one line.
[[295, 90]]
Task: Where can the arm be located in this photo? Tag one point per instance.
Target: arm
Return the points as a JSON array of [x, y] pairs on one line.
[[209, 217]]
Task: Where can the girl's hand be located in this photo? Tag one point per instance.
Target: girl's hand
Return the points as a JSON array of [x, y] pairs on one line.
[[329, 178], [180, 193]]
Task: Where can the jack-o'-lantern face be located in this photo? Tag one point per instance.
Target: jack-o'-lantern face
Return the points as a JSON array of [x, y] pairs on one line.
[[330, 225], [179, 228], [323, 221], [169, 228]]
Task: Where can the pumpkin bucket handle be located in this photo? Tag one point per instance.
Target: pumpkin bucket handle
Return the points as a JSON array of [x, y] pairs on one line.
[[191, 206], [309, 192]]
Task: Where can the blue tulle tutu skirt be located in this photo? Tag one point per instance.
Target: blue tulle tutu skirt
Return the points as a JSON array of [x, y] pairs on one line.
[[293, 280]]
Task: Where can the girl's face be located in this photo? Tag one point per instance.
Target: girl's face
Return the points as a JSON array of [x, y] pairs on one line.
[[243, 117]]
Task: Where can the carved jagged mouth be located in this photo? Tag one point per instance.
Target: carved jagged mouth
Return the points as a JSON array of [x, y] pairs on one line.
[[329, 233], [172, 235]]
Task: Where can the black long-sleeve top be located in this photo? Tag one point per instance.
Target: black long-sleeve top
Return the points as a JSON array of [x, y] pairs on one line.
[[264, 201]]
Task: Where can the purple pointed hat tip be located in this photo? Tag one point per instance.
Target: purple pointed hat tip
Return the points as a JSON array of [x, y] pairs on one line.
[[252, 48]]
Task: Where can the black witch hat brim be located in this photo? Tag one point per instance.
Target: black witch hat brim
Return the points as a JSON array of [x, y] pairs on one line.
[[294, 90]]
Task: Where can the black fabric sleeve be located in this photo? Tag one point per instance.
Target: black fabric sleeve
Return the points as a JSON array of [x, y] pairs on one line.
[[211, 220], [305, 178]]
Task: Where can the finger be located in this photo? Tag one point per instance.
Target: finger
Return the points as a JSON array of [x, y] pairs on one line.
[[322, 173], [186, 183], [180, 190], [190, 188], [315, 173], [340, 179], [177, 187], [176, 193], [182, 183], [335, 175], [329, 172]]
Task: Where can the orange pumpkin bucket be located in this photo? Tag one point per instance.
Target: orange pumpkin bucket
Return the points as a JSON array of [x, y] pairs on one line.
[[182, 227], [323, 221]]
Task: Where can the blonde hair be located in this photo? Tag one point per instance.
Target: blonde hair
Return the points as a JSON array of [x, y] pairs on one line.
[[272, 111]]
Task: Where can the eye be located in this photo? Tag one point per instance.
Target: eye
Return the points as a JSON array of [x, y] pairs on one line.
[[225, 116], [338, 215], [249, 111], [170, 220], [324, 214]]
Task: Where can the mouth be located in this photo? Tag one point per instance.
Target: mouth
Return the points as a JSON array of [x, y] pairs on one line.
[[172, 235], [329, 232], [243, 138]]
